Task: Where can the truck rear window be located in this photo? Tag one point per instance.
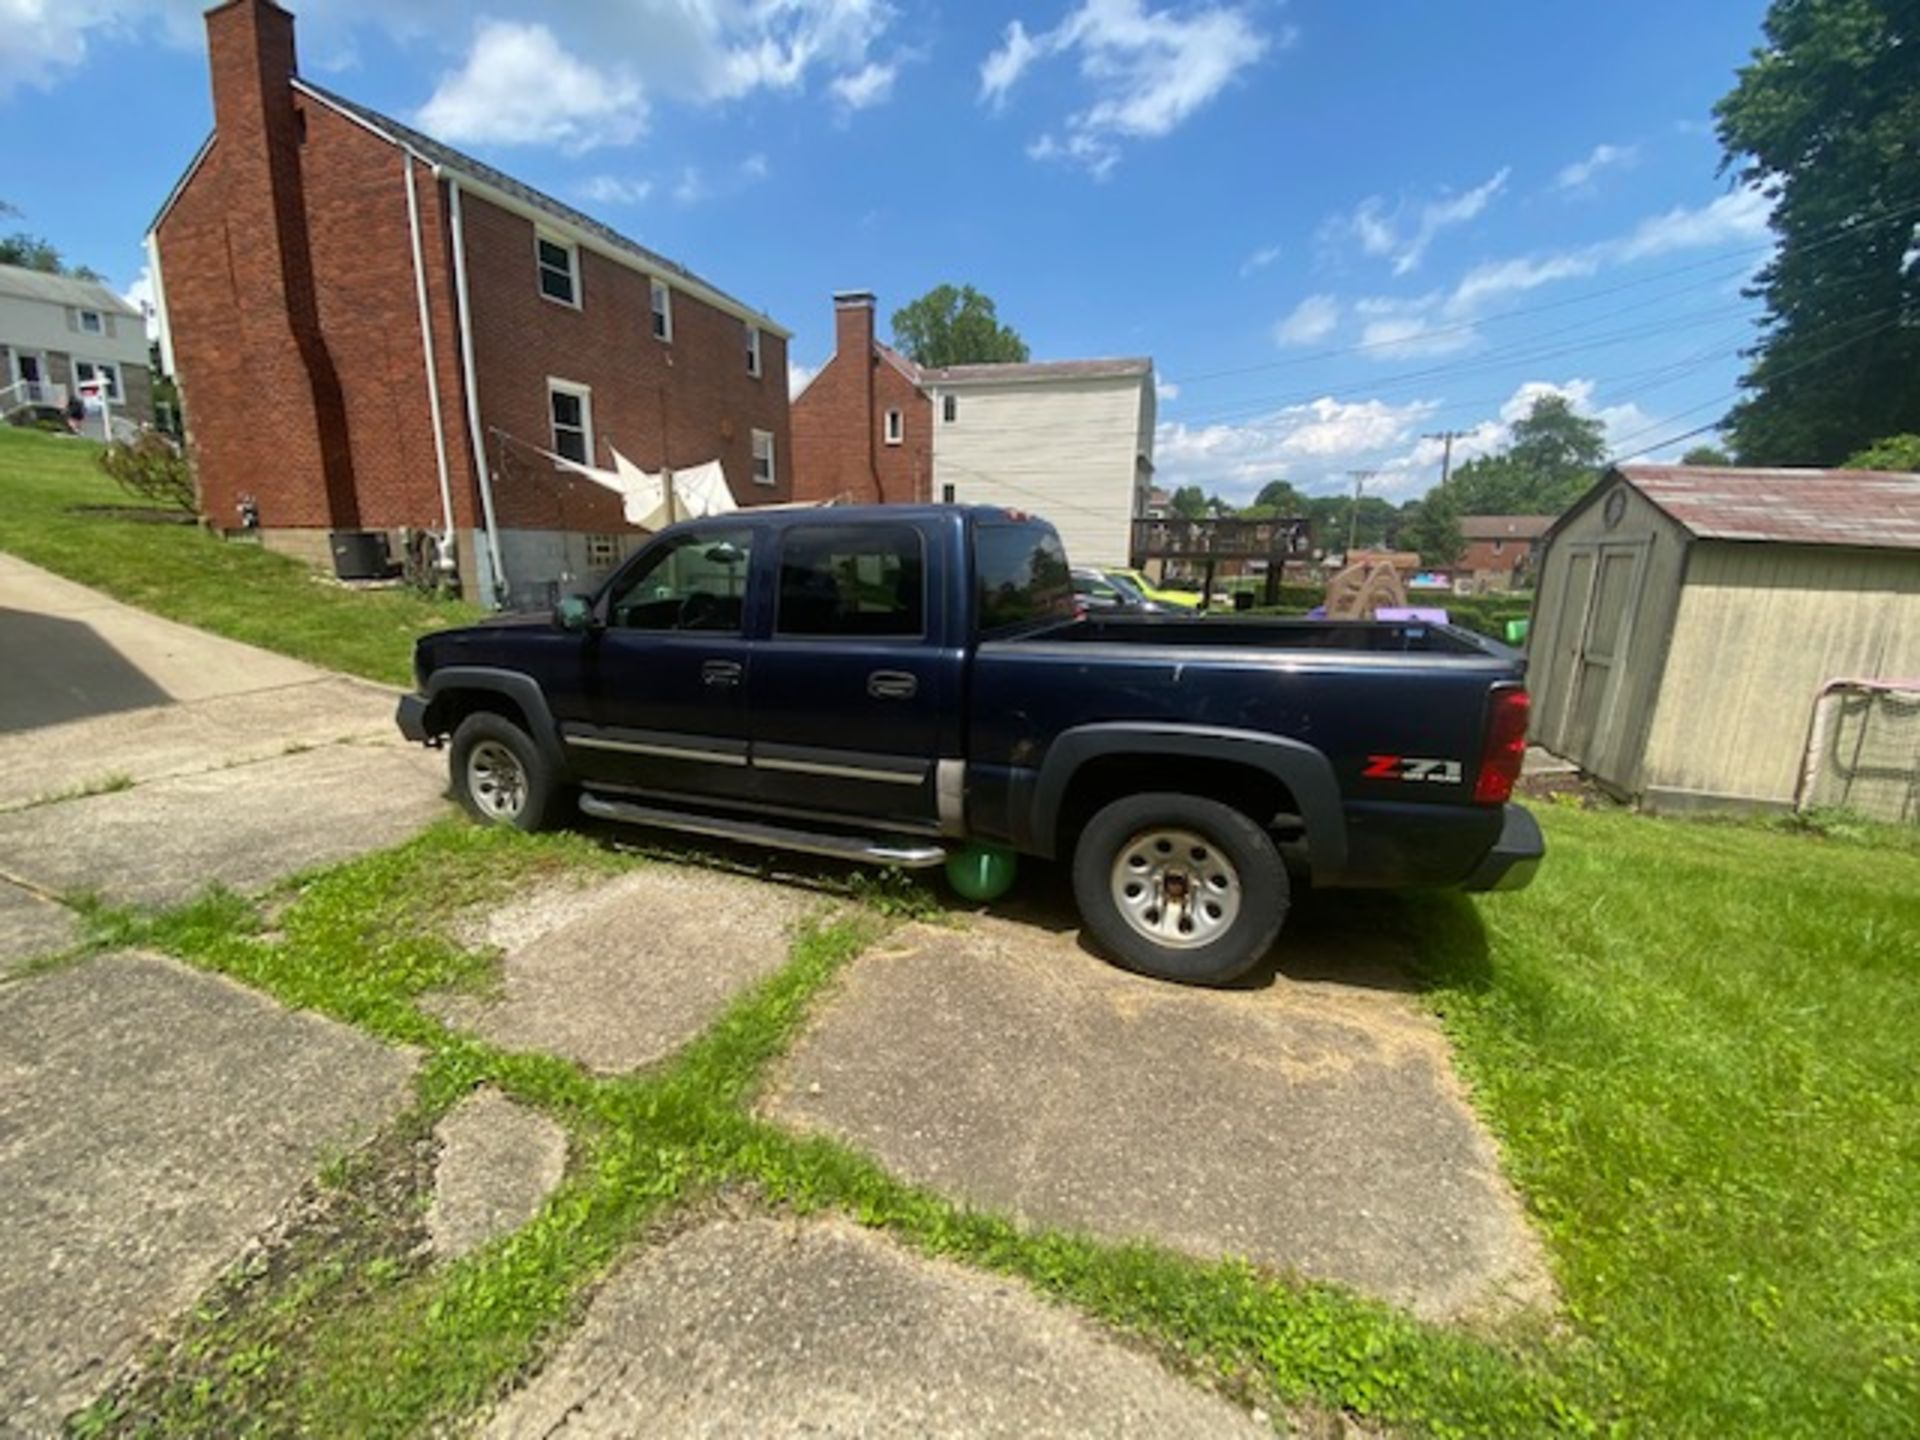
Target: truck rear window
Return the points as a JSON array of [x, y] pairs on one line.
[[1020, 569]]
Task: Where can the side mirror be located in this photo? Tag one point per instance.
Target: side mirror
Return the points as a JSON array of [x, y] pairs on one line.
[[575, 613]]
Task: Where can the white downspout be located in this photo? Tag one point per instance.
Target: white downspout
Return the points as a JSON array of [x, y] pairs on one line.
[[446, 561], [476, 435]]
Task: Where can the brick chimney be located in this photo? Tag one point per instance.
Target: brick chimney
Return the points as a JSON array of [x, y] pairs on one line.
[[853, 345], [259, 134]]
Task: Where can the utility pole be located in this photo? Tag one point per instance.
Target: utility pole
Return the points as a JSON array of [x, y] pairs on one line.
[[1360, 478], [1446, 437]]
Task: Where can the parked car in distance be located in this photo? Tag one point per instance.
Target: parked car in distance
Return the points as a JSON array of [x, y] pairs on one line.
[[1164, 595], [1101, 590], [886, 682]]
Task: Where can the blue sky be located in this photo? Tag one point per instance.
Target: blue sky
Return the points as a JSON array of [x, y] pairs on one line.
[[1335, 225]]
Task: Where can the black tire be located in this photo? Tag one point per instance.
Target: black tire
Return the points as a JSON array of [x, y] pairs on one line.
[[485, 734], [1249, 927]]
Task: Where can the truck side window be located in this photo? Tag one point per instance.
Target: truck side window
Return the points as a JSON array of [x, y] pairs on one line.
[[1020, 571], [693, 582], [852, 580]]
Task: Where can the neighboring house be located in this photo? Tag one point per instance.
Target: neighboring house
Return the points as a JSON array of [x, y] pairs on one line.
[[1688, 618], [1501, 550], [1071, 440], [59, 334], [374, 333]]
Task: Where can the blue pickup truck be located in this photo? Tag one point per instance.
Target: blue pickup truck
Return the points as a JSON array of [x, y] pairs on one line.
[[887, 683]]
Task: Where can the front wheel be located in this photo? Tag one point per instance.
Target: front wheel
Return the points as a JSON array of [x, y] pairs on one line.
[[499, 775], [1180, 888]]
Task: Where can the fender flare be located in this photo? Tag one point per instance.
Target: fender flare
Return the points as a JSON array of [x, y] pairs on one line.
[[1304, 770], [522, 689]]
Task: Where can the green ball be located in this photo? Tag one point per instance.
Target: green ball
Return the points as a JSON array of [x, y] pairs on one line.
[[982, 872]]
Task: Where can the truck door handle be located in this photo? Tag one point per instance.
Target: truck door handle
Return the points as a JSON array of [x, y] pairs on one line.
[[720, 672], [892, 685]]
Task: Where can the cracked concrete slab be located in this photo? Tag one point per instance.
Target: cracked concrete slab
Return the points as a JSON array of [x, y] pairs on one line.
[[152, 1120], [1309, 1127], [246, 826], [623, 973], [771, 1328], [31, 926], [499, 1160]]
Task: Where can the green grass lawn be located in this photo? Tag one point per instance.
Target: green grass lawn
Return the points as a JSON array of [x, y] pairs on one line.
[[233, 589], [1695, 1043]]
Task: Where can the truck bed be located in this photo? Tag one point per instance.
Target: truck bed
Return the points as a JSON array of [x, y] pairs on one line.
[[1261, 633]]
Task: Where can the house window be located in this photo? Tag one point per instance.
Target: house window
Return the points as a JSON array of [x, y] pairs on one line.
[[559, 270], [662, 311], [946, 494], [91, 322], [896, 427], [753, 349], [1499, 546], [571, 409], [763, 473], [88, 372], [949, 408], [603, 552]]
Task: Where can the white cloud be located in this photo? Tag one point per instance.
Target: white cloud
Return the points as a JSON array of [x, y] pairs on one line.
[[1313, 319], [1259, 260], [1405, 233], [799, 377], [1149, 71], [1166, 390], [755, 167], [697, 185], [614, 190], [140, 295], [1395, 329], [1314, 443], [1498, 278], [1739, 215], [1580, 174], [868, 86], [518, 86]]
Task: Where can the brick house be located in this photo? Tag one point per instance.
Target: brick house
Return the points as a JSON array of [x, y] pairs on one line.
[[1071, 440], [374, 332], [1502, 550], [59, 334]]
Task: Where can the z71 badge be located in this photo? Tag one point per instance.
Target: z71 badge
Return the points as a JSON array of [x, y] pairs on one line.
[[1411, 767]]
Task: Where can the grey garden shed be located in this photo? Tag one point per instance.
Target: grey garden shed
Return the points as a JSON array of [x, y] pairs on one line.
[[1716, 636]]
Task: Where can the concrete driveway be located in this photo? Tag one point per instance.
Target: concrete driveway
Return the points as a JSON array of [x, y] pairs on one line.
[[142, 760]]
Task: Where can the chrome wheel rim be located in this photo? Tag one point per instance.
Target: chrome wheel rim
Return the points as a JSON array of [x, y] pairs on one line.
[[496, 780], [1176, 887]]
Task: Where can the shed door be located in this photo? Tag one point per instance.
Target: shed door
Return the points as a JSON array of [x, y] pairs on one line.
[[1562, 662], [1601, 663]]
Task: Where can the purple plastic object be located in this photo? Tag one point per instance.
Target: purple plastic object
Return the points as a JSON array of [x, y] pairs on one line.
[[1424, 614]]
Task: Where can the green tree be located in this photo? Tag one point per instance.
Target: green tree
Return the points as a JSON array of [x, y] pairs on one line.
[[1896, 452], [1553, 455], [949, 326], [1281, 499], [1190, 502], [1373, 528], [34, 252], [1431, 525], [1823, 121], [1706, 455]]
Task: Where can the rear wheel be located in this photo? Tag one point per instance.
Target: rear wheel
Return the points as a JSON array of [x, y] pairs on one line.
[[1180, 887], [499, 775]]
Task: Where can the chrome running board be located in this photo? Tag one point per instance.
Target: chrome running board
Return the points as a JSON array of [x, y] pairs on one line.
[[874, 850]]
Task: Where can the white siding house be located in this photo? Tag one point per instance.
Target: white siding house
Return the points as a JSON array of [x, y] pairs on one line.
[[57, 332], [1071, 441]]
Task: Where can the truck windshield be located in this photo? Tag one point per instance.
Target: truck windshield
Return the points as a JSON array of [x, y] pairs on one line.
[[1021, 573]]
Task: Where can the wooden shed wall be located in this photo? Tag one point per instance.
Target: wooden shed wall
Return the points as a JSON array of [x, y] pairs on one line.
[[1760, 629], [1593, 702]]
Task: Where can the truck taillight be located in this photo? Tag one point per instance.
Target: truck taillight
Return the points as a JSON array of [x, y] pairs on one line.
[[1505, 746]]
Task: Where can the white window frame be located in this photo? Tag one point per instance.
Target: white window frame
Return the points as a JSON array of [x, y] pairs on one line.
[[99, 326], [111, 370], [754, 367], [948, 494], [540, 267], [660, 309], [949, 408], [896, 428], [772, 477], [558, 386], [603, 552]]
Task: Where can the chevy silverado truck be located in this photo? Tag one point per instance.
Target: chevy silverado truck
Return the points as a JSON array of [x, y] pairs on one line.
[[886, 683]]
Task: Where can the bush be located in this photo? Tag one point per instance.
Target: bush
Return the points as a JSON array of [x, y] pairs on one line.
[[153, 469]]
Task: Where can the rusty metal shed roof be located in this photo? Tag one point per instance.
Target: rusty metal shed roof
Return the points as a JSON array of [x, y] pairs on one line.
[[1867, 509]]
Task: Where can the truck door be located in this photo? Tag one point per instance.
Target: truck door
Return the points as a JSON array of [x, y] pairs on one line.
[[667, 677], [851, 688]]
